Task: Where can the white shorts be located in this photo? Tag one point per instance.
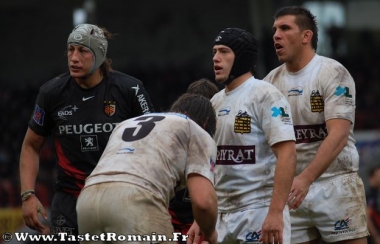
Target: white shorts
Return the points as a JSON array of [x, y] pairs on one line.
[[334, 209], [124, 209], [245, 226]]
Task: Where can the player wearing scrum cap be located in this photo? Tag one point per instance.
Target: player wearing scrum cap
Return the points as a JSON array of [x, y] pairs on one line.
[[79, 109], [256, 146]]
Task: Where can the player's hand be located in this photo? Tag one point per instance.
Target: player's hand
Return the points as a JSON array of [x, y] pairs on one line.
[[273, 228], [194, 234], [212, 239], [299, 190], [31, 207]]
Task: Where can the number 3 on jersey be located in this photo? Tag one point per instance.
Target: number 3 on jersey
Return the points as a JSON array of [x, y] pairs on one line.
[[142, 129]]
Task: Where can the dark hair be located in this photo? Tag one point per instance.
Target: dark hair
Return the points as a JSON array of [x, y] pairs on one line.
[[105, 67], [203, 87], [199, 109], [304, 19]]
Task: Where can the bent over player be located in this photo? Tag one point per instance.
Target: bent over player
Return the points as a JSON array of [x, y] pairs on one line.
[[148, 159]]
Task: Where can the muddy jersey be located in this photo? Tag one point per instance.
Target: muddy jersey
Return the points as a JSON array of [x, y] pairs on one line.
[[250, 119], [157, 152], [322, 90], [81, 120]]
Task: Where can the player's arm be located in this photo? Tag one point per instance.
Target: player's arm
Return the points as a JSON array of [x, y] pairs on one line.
[[284, 173], [338, 132], [204, 204], [29, 166], [142, 101]]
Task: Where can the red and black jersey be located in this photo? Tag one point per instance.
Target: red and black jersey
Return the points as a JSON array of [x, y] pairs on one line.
[[181, 211], [81, 120]]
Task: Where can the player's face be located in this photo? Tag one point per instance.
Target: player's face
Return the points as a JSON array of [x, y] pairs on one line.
[[223, 60], [287, 38], [80, 60]]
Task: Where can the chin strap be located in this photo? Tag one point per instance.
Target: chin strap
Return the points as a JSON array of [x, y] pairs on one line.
[[229, 80]]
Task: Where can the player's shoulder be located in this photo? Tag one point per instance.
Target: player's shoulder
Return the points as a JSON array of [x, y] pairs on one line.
[[330, 63], [274, 73], [218, 95], [169, 117], [262, 87], [55, 84], [332, 66], [123, 80]]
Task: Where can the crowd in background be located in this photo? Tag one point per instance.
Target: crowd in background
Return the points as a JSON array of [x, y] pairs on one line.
[[16, 106]]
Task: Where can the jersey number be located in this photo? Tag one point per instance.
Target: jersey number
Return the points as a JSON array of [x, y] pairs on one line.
[[142, 129]]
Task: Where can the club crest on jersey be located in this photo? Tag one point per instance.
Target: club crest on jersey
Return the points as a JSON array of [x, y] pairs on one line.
[[242, 123], [317, 104], [109, 108], [39, 115]]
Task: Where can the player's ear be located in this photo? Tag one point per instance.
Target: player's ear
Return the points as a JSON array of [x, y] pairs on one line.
[[307, 35]]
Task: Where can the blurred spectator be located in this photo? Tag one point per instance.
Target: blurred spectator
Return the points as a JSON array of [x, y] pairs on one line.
[[373, 205]]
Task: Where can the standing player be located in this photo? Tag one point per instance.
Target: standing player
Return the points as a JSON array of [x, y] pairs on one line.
[[80, 109], [327, 195], [180, 207], [256, 150], [146, 159]]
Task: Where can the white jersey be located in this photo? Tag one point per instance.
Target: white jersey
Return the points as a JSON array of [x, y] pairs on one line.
[[251, 118], [322, 90], [156, 151]]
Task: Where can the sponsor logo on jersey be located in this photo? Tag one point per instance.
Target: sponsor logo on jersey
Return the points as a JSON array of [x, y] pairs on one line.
[[67, 111], [296, 91], [39, 115], [310, 133], [283, 113], [109, 108], [224, 111], [86, 128], [242, 122], [279, 111], [253, 237], [136, 88], [60, 220], [89, 143], [342, 227], [126, 150], [317, 104], [143, 104], [87, 98], [345, 91], [232, 155]]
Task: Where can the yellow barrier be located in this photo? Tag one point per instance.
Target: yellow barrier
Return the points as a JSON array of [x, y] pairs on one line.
[[10, 220]]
